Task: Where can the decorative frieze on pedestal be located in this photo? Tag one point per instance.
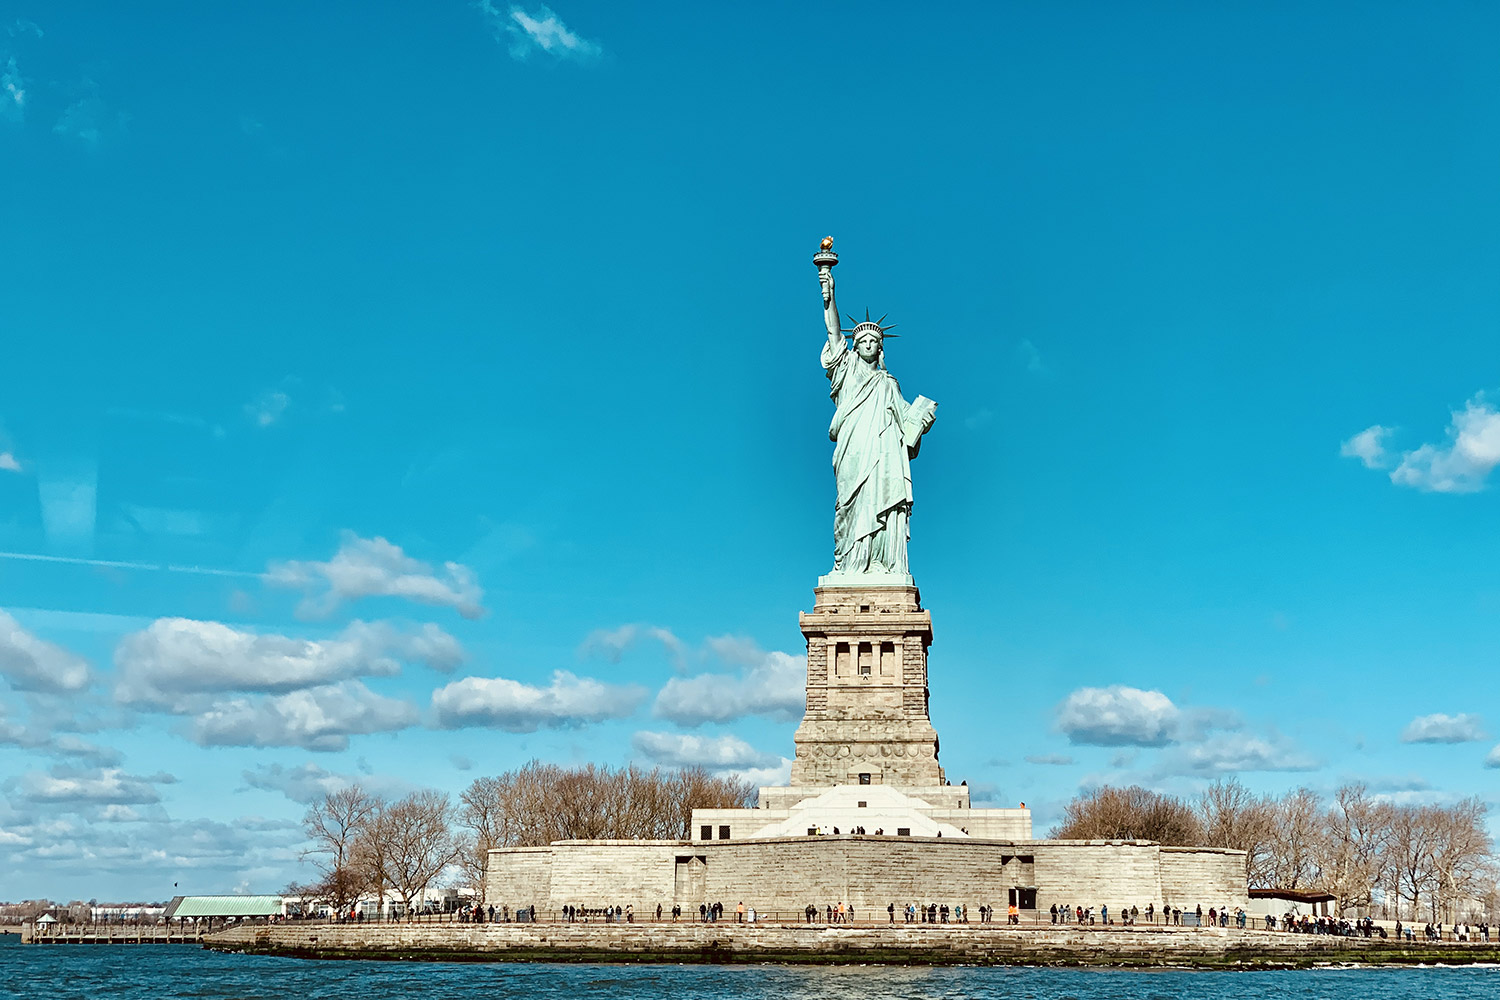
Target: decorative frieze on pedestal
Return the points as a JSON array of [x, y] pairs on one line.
[[866, 720]]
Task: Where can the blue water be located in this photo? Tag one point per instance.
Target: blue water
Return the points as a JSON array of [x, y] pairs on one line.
[[149, 972]]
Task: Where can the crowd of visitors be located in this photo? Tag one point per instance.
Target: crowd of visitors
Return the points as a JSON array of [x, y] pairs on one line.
[[834, 914], [1127, 916]]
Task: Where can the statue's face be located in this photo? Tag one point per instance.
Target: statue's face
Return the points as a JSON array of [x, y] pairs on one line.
[[868, 347]]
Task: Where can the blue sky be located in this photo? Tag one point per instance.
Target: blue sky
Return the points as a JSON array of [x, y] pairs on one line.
[[396, 393]]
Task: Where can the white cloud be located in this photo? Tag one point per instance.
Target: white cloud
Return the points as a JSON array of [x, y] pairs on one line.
[[1229, 753], [612, 643], [321, 718], [32, 664], [95, 786], [717, 753], [505, 704], [174, 662], [539, 30], [774, 685], [374, 567], [1492, 759], [1440, 728], [1118, 716], [1368, 446], [8, 462], [1460, 466], [1054, 759]]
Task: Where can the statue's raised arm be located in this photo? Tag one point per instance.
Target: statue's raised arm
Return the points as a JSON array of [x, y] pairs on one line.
[[825, 258]]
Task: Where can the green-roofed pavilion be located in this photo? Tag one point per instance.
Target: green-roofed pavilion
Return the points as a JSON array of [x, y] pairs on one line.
[[223, 906]]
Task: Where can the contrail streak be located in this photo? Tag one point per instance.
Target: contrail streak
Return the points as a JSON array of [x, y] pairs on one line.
[[114, 564]]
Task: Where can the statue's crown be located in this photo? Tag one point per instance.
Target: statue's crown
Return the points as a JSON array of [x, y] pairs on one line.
[[871, 326]]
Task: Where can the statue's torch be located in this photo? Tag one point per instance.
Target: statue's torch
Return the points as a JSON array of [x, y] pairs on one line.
[[825, 257]]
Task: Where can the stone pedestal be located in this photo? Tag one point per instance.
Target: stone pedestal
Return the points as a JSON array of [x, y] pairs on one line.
[[866, 718]]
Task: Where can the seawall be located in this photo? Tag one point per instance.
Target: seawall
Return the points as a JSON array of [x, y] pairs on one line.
[[1142, 947]]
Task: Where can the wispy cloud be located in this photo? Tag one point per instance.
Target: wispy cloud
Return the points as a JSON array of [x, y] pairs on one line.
[[537, 30], [771, 684], [1231, 753], [1440, 728], [119, 564], [308, 783], [1368, 446], [1053, 759], [178, 664], [268, 408], [374, 567], [12, 92], [43, 740], [320, 718], [613, 643], [1030, 357], [9, 462], [717, 753], [500, 703], [94, 786], [32, 664], [89, 120]]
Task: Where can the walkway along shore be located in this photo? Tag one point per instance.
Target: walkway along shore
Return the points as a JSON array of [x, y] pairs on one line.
[[1139, 947]]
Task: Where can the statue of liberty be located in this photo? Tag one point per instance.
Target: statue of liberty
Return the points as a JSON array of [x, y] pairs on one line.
[[876, 434]]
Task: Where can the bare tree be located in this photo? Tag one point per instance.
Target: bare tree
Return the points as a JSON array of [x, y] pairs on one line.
[[1233, 817], [486, 810], [412, 842], [541, 803], [1462, 866], [335, 825], [1297, 826], [1133, 813], [1352, 852], [1413, 856]]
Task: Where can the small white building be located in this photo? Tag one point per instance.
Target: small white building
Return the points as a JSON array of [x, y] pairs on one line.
[[1297, 902]]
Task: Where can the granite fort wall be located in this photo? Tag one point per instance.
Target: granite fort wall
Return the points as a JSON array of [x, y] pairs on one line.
[[973, 944], [592, 873], [785, 874], [526, 872], [1193, 875]]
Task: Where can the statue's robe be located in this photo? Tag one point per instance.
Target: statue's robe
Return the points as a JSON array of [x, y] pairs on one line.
[[871, 462]]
